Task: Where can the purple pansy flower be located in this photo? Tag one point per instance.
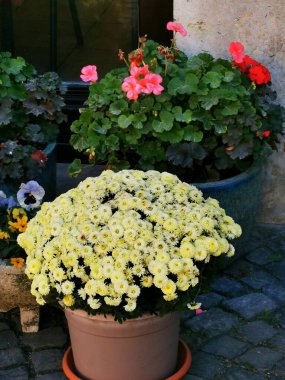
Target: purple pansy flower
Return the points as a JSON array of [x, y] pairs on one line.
[[30, 195], [7, 202], [11, 203]]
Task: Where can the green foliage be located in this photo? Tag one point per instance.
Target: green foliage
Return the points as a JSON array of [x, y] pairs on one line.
[[209, 119], [30, 112]]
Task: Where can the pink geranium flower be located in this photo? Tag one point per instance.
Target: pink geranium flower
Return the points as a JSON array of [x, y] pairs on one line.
[[176, 27], [89, 74], [236, 51], [152, 84], [139, 72], [132, 87]]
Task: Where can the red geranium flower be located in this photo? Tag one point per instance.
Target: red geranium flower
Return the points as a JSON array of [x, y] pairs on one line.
[[259, 74], [246, 63], [266, 133], [38, 155]]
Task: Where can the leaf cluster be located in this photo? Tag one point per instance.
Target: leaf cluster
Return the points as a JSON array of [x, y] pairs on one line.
[[30, 112], [207, 123]]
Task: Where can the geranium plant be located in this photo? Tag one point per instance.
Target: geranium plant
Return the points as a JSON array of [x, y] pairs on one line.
[[15, 212], [125, 243], [30, 114], [199, 117]]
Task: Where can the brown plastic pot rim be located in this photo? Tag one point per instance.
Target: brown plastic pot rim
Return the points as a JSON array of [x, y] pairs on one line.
[[184, 363]]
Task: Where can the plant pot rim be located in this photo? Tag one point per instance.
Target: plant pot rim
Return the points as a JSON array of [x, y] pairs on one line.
[[184, 363], [49, 148], [110, 318], [231, 182]]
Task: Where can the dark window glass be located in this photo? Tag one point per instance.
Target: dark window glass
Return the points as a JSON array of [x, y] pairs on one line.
[[64, 35]]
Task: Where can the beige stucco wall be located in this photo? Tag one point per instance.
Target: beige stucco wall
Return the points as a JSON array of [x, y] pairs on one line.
[[260, 26]]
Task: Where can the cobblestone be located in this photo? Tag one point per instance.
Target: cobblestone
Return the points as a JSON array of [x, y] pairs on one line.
[[262, 358], [210, 299], [256, 332], [241, 374], [20, 373], [206, 366], [228, 287], [52, 376], [53, 337], [259, 279], [47, 360], [250, 305], [7, 339], [260, 256], [278, 269], [225, 346], [4, 326], [213, 322], [11, 357], [275, 292], [278, 342]]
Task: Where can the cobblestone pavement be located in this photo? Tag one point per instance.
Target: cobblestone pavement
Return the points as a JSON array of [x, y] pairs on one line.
[[241, 336]]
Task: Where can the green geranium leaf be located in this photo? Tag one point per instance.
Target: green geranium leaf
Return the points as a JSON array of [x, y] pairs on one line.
[[183, 86], [192, 134], [117, 107], [213, 79], [101, 129], [74, 168], [177, 113], [78, 142], [5, 80], [112, 142], [139, 120], [229, 76], [17, 92], [175, 135], [151, 150], [165, 123], [208, 101], [220, 129], [125, 121], [231, 109], [132, 136]]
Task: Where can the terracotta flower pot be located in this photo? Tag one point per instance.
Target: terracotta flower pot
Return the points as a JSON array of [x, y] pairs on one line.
[[183, 363], [143, 349], [15, 292]]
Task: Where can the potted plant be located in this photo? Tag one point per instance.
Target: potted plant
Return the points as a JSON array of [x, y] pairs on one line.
[[207, 120], [14, 285], [30, 112], [125, 247]]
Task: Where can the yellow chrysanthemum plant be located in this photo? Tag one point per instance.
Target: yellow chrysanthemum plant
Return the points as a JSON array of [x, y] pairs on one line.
[[125, 244]]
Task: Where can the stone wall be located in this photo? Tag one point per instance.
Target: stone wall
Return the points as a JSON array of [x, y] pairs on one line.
[[259, 25]]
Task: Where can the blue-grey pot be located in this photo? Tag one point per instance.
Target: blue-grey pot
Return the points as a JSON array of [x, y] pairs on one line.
[[240, 197], [47, 179]]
